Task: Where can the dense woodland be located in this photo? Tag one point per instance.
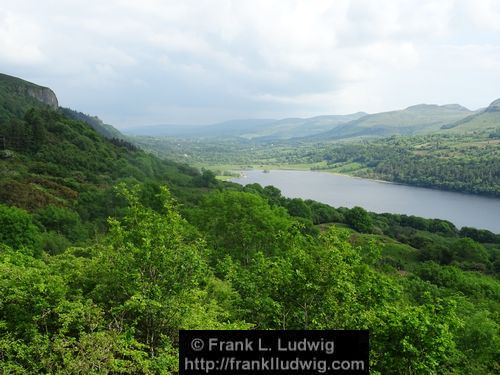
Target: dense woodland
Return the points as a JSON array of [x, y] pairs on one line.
[[107, 251], [467, 163]]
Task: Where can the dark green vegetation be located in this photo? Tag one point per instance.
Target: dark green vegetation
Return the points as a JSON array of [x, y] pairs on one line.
[[466, 163], [101, 264], [461, 162], [17, 96], [95, 122]]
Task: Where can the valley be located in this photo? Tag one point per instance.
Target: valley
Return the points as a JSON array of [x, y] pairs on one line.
[[107, 251]]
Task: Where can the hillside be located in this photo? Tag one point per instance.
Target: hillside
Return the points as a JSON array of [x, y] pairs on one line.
[[17, 96], [48, 159], [106, 130], [417, 119], [101, 264], [300, 127], [485, 120], [414, 120]]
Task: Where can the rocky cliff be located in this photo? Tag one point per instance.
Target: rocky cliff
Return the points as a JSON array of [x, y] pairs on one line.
[[42, 94], [19, 87]]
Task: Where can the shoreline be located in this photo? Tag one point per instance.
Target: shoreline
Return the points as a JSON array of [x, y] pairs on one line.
[[292, 168]]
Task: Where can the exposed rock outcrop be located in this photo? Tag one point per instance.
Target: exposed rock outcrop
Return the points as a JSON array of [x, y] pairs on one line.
[[22, 88], [42, 94]]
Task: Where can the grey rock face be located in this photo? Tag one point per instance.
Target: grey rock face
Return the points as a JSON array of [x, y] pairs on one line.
[[42, 94]]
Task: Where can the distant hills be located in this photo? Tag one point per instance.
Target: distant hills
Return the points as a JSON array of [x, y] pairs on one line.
[[232, 128], [302, 127], [414, 120], [251, 128], [487, 119], [422, 118], [17, 96]]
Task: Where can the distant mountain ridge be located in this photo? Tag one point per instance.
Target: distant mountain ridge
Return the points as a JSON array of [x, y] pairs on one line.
[[416, 119], [413, 120], [487, 119], [250, 128], [17, 96], [301, 127]]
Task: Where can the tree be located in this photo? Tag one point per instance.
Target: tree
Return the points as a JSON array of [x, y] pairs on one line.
[[415, 339], [151, 275], [62, 221], [17, 229], [297, 207], [240, 224], [358, 218], [206, 179]]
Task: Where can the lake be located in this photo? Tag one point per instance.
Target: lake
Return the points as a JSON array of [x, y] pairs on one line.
[[377, 196]]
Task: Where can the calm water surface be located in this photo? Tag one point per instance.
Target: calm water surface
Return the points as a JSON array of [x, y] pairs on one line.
[[343, 191]]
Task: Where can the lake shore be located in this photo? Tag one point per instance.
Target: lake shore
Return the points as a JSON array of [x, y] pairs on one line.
[[309, 167], [340, 190]]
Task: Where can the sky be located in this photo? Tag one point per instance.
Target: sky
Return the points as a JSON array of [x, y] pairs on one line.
[[148, 62]]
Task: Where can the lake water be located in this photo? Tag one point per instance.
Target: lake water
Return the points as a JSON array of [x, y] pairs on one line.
[[343, 191]]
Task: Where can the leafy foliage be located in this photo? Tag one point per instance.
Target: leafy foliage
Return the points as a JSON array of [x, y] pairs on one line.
[[17, 229], [101, 264], [466, 162]]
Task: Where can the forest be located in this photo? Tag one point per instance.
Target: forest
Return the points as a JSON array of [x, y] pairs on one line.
[[107, 251], [466, 163]]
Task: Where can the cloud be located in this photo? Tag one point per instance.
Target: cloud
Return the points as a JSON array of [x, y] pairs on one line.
[[18, 40], [200, 61]]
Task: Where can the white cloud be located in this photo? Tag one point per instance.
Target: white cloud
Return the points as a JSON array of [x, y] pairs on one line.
[[18, 40], [203, 60]]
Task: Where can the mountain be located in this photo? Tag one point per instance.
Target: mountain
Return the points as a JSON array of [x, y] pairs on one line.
[[417, 119], [487, 119], [412, 120], [106, 130], [232, 128], [18, 95], [53, 157], [250, 128], [301, 127]]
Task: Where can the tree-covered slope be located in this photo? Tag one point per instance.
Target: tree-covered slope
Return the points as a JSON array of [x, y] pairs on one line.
[[247, 258], [101, 265], [106, 130], [50, 161], [50, 158]]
